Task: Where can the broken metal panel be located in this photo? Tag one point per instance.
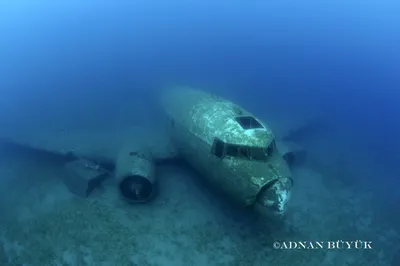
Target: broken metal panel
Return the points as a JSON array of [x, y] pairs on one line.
[[83, 176]]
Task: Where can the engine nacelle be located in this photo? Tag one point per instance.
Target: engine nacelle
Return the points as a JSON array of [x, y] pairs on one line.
[[135, 174]]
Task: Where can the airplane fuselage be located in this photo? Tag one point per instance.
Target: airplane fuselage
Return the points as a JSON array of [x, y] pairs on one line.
[[231, 148]]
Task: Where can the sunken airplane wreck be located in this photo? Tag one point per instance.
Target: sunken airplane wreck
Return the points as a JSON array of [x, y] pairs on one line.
[[232, 150]]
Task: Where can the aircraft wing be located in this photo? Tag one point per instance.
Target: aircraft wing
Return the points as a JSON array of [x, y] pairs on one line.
[[291, 129], [100, 144], [102, 140], [293, 125]]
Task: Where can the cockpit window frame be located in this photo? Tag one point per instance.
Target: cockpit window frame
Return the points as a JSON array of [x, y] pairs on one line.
[[218, 148], [271, 148], [248, 122], [222, 149]]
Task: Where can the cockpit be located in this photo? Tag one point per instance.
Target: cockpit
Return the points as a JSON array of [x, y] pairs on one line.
[[222, 149]]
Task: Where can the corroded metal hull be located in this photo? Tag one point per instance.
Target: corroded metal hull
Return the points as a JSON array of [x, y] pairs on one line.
[[210, 133]]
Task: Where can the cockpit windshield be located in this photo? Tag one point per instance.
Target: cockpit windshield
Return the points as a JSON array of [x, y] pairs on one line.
[[222, 149]]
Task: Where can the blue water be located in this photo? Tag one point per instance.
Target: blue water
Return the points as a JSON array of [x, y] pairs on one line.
[[339, 59]]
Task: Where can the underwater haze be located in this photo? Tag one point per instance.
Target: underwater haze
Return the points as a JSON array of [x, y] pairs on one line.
[[75, 64]]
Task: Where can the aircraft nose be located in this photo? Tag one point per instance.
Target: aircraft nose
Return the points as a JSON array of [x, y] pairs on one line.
[[273, 199]]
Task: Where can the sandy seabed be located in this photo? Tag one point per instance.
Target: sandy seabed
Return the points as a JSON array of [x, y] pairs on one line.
[[42, 223]]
